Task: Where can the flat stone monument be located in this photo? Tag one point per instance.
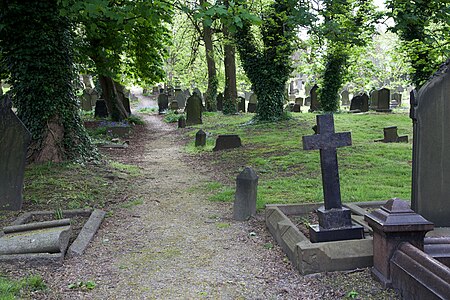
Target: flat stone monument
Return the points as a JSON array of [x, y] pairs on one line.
[[431, 149], [227, 141], [15, 139], [335, 222], [194, 108]]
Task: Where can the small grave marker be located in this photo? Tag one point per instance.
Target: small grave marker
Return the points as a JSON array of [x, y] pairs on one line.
[[391, 136], [334, 220], [200, 138], [227, 141], [245, 197]]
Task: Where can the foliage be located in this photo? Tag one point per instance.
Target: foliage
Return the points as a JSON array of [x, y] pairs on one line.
[[267, 63], [36, 44], [135, 120], [343, 25], [10, 289], [424, 28], [172, 117]]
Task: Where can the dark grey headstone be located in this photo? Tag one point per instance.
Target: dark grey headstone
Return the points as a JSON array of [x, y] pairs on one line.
[[299, 101], [219, 100], [373, 100], [101, 111], [251, 107], [315, 105], [308, 101], [384, 99], [391, 136], [397, 97], [181, 100], [15, 139], [200, 138], [296, 108], [345, 98], [241, 103], [431, 149], [198, 92], [227, 141], [194, 108], [163, 102], [360, 103], [86, 103], [245, 198], [174, 105], [253, 100], [181, 122]]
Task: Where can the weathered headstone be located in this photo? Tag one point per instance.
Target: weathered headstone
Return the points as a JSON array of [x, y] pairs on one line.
[[345, 98], [334, 220], [384, 99], [391, 136], [174, 105], [308, 101], [373, 100], [398, 98], [227, 141], [253, 100], [163, 102], [13, 150], [101, 111], [181, 122], [86, 103], [241, 103], [181, 100], [194, 108], [200, 138], [219, 100], [299, 101], [315, 104], [245, 198], [296, 107], [360, 103], [431, 149]]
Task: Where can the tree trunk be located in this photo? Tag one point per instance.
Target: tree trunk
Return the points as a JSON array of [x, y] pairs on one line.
[[230, 93], [211, 92], [116, 110]]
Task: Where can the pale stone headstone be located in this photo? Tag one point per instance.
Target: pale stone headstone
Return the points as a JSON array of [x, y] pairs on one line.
[[431, 149], [384, 99], [345, 98], [86, 104], [308, 101], [245, 198], [13, 150], [174, 105], [253, 100], [194, 108], [181, 100], [198, 92]]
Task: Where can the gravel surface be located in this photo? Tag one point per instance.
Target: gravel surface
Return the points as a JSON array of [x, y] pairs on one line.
[[179, 245]]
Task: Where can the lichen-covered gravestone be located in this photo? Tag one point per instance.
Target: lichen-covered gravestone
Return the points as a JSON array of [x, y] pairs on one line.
[[194, 108], [431, 149], [14, 140]]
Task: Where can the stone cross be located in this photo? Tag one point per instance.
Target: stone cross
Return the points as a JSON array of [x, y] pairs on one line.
[[327, 141]]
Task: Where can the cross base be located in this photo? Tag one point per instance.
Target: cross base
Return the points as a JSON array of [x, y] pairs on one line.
[[334, 218], [318, 234]]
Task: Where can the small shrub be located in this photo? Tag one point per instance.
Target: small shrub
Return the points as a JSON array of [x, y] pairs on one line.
[[172, 117], [135, 120]]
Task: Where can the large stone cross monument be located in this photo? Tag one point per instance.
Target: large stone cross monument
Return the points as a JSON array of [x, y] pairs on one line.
[[334, 220]]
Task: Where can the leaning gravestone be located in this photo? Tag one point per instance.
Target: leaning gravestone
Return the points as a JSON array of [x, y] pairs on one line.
[[360, 103], [334, 220], [315, 104], [431, 149], [345, 95], [163, 102], [384, 99], [245, 198], [13, 150], [194, 108]]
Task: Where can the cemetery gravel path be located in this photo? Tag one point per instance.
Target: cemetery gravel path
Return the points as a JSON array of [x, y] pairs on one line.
[[177, 244]]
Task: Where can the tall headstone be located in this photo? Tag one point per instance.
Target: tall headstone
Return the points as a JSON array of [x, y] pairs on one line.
[[86, 104], [384, 100], [245, 197], [13, 151], [101, 111], [360, 103], [431, 149], [181, 100], [219, 101], [194, 108], [163, 102], [334, 220], [241, 103], [315, 105], [253, 100], [345, 98], [373, 100]]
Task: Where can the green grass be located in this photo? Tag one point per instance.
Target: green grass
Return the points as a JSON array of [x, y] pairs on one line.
[[12, 289], [288, 174], [147, 110]]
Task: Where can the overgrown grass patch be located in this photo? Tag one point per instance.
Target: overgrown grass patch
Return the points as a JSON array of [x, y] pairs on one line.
[[12, 289], [368, 170]]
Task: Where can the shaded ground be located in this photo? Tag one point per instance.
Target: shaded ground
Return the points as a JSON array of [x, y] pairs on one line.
[[175, 244]]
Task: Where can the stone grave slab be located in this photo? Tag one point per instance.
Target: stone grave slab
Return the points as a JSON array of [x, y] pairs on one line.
[[15, 139]]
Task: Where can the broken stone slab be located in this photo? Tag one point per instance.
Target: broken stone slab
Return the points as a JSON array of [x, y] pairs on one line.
[[33, 258], [36, 225], [47, 240], [87, 233], [26, 217]]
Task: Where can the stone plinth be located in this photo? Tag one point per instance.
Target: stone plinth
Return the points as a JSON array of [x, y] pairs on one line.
[[393, 224]]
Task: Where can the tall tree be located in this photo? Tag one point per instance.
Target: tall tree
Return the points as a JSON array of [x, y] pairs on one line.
[[36, 47], [424, 28], [268, 64]]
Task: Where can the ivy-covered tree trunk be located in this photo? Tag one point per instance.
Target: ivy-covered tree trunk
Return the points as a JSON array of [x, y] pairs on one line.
[[230, 92], [335, 68], [116, 109], [36, 45]]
